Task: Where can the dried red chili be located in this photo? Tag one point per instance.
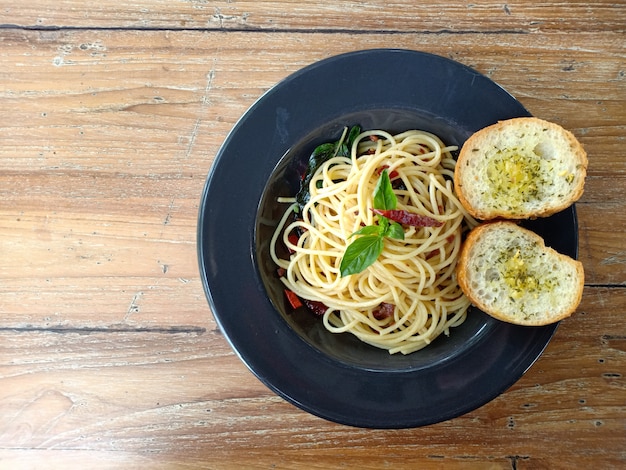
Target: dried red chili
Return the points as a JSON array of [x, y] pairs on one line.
[[408, 218], [316, 307], [384, 310], [293, 299], [293, 239], [392, 174]]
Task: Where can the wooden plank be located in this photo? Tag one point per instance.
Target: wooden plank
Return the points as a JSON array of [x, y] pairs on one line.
[[102, 302], [377, 15], [197, 86], [100, 182], [61, 274], [151, 397]]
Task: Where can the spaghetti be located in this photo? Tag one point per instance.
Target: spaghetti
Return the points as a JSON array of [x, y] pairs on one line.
[[409, 295]]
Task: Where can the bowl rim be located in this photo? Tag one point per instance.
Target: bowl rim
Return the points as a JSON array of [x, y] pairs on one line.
[[268, 348]]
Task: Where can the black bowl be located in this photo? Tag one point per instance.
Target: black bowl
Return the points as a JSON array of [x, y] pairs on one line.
[[336, 376], [284, 181]]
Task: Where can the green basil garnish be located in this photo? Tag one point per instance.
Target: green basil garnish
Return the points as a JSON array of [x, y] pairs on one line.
[[395, 231], [321, 154], [384, 197], [363, 251], [369, 230]]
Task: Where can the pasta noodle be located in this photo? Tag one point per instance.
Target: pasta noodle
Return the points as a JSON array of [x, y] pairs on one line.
[[409, 295]]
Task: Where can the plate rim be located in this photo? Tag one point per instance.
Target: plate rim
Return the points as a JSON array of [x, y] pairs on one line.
[[247, 356]]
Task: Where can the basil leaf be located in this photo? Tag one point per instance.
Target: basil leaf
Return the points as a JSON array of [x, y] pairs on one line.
[[360, 254], [384, 197], [346, 145], [352, 135], [395, 230], [383, 223], [320, 155], [369, 230]]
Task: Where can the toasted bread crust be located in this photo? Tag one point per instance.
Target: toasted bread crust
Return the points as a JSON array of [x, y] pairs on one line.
[[472, 281], [469, 182]]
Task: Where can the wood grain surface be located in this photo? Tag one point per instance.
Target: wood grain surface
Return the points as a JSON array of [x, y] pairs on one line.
[[111, 115]]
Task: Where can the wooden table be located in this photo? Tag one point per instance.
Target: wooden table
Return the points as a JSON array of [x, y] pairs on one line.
[[110, 116]]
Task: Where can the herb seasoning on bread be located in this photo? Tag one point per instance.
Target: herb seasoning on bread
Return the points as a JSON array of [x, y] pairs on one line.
[[520, 168], [509, 273]]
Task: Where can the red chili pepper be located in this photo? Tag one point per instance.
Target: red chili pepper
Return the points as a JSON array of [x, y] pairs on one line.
[[392, 175], [293, 239], [316, 307], [408, 218], [293, 299], [384, 310]]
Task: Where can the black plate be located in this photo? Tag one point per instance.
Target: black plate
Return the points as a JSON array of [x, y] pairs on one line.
[[336, 376]]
